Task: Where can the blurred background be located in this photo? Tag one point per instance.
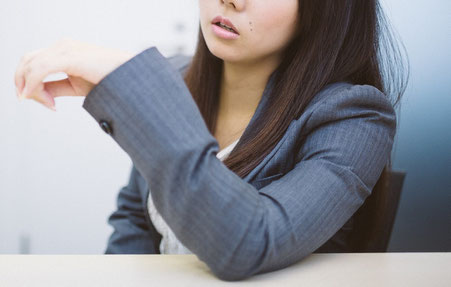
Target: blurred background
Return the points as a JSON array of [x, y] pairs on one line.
[[60, 173]]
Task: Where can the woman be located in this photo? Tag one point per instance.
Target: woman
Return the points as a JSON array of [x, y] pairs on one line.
[[255, 152]]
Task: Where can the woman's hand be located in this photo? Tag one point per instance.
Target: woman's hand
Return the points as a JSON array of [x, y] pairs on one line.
[[84, 63]]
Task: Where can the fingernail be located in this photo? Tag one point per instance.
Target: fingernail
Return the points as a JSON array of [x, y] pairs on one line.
[[21, 97], [24, 93], [49, 102]]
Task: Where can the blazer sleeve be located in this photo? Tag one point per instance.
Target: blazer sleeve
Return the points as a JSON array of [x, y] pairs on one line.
[[237, 230], [133, 230], [132, 234]]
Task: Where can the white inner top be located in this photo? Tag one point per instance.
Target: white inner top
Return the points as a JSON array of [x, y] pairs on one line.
[[169, 243]]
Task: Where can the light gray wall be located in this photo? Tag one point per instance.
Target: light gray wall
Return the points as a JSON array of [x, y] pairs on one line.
[[60, 174]]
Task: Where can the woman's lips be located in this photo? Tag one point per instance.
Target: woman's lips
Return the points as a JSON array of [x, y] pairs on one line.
[[225, 21], [223, 33]]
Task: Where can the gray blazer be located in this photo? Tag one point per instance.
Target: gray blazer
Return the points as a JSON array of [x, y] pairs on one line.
[[300, 199]]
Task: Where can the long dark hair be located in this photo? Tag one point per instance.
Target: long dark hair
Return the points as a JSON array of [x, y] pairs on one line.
[[347, 40]]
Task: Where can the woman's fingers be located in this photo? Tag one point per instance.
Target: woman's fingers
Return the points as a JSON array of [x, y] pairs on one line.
[[37, 69], [42, 96], [48, 91], [18, 76], [84, 63], [59, 88], [48, 100]]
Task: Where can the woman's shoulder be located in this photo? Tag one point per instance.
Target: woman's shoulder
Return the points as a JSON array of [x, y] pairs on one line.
[[344, 99], [345, 92], [347, 125]]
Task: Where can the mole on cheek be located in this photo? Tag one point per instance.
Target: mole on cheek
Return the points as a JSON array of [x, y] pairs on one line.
[[250, 24]]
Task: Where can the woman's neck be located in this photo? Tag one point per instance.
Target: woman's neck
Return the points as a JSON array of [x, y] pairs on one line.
[[242, 86]]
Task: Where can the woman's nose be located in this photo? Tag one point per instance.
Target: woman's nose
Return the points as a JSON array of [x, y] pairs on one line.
[[237, 4]]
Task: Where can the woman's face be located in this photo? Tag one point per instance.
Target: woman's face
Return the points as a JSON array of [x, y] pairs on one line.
[[264, 26]]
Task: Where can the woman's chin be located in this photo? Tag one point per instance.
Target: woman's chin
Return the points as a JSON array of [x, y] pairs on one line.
[[227, 54]]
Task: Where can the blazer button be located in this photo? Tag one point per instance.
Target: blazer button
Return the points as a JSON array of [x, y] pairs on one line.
[[106, 127]]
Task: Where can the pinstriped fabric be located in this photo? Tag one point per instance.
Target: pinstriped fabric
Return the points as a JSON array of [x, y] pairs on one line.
[[169, 243], [299, 198]]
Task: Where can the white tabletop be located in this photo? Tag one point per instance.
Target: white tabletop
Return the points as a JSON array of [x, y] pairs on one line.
[[333, 269]]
